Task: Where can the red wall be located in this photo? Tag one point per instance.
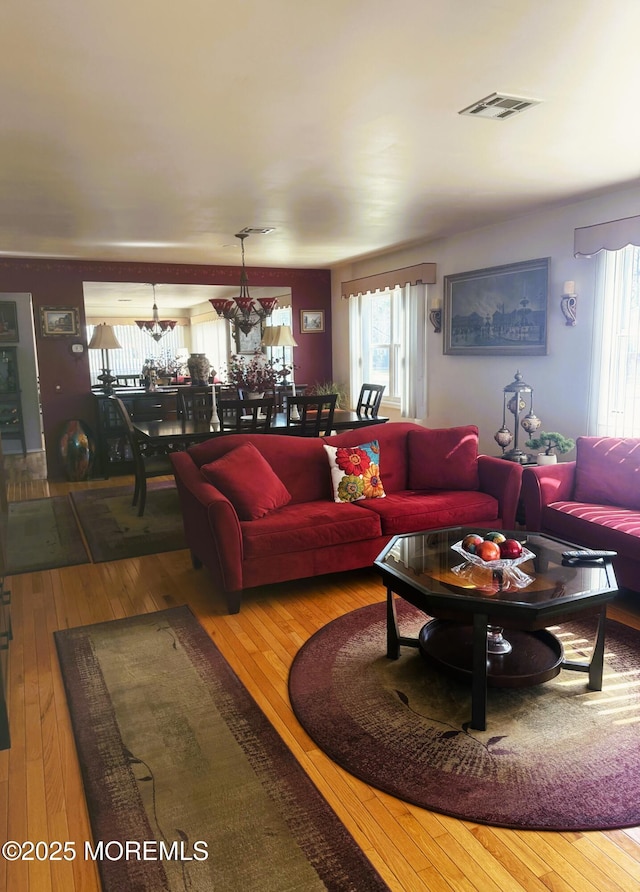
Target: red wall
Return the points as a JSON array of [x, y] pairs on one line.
[[58, 283]]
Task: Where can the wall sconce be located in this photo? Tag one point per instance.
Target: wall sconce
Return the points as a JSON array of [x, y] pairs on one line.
[[569, 302], [435, 315]]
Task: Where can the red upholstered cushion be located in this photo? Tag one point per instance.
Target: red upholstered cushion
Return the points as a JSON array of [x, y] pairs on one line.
[[608, 471], [411, 512], [248, 481], [305, 528], [444, 459]]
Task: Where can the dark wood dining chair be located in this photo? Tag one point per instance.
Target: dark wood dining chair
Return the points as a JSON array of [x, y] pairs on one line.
[[245, 416], [145, 466], [311, 416], [370, 399], [195, 403]]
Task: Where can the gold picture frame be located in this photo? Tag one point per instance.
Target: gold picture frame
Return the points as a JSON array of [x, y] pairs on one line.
[[56, 322]]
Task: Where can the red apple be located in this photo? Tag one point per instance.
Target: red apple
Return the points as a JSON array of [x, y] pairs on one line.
[[488, 551], [470, 543], [510, 549]]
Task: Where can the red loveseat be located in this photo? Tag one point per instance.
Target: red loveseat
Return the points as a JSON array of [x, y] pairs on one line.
[[260, 508], [593, 501]]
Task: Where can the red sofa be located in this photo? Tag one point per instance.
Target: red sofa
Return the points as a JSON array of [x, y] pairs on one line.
[[593, 501], [260, 508]]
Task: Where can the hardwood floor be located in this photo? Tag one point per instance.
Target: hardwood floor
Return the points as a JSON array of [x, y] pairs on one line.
[[41, 794]]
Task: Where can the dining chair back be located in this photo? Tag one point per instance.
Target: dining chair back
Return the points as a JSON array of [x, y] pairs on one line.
[[370, 399], [145, 466], [311, 416], [128, 380], [195, 403], [245, 416]]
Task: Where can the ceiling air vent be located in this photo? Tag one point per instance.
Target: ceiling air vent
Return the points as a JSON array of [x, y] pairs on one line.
[[499, 106]]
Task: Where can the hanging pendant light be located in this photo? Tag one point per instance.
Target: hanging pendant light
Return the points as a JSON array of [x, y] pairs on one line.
[[244, 311], [156, 327]]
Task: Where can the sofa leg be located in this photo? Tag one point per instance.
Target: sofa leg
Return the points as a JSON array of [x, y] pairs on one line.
[[196, 563], [233, 601]]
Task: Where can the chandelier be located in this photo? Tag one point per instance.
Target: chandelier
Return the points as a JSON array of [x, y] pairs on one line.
[[244, 311], [156, 327]]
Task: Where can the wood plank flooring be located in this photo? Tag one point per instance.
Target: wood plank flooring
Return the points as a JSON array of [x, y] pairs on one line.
[[41, 794]]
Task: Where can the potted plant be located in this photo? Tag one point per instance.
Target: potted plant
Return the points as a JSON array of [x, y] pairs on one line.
[[549, 442], [322, 388]]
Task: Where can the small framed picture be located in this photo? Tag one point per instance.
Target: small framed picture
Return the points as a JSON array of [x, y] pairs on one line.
[[311, 320], [8, 321], [59, 322]]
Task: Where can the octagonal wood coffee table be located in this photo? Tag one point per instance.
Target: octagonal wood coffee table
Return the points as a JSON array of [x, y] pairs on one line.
[[482, 628]]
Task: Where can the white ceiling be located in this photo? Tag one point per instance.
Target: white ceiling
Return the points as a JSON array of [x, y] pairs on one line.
[[149, 131]]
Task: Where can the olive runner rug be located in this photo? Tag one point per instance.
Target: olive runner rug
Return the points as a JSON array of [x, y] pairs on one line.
[[42, 534], [554, 757], [113, 529], [173, 748]]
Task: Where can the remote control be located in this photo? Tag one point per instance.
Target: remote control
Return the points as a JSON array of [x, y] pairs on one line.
[[587, 555]]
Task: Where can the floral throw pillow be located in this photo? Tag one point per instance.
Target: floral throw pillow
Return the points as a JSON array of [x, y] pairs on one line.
[[355, 472]]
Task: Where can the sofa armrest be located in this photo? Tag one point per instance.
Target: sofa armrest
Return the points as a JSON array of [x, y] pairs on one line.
[[501, 479], [545, 484], [211, 525]]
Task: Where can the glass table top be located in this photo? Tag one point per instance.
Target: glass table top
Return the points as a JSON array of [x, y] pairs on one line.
[[427, 563]]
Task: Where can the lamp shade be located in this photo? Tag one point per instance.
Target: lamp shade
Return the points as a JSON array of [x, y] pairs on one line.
[[282, 336], [268, 335], [104, 338]]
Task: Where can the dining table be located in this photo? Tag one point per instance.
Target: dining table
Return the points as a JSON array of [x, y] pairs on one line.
[[178, 433]]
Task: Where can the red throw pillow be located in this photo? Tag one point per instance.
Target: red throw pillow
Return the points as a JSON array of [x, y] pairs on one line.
[[248, 481], [608, 471], [444, 459]]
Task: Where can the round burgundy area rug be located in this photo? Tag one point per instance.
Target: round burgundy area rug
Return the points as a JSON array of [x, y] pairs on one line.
[[556, 756]]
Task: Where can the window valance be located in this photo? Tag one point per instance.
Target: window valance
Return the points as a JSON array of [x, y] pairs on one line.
[[421, 272], [610, 236]]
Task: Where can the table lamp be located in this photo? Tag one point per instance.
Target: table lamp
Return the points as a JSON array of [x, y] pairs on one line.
[[104, 338]]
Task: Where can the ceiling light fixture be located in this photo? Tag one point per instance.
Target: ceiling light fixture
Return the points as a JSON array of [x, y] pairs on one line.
[[156, 327], [244, 311]]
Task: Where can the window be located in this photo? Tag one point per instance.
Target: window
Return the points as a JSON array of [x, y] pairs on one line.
[[615, 392], [388, 346], [381, 340]]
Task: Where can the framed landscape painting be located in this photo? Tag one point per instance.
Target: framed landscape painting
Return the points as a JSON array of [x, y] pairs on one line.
[[499, 310], [59, 321]]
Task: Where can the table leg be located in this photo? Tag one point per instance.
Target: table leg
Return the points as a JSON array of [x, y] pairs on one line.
[[596, 666], [479, 673], [393, 636]]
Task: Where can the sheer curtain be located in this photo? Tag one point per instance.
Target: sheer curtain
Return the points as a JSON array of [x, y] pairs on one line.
[[212, 338], [615, 385], [413, 352]]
